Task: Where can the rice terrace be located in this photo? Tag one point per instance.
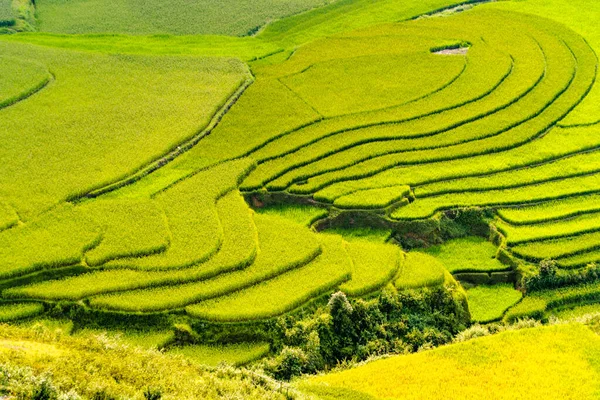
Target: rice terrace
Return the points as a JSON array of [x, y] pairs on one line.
[[299, 199]]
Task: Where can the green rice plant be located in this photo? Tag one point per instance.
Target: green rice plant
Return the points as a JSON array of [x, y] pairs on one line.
[[373, 266], [577, 18], [181, 17], [246, 48], [558, 248], [190, 208], [558, 56], [213, 355], [580, 260], [130, 228], [21, 78], [489, 303], [551, 210], [420, 270], [576, 165], [555, 144], [548, 362], [114, 105], [358, 85], [423, 208], [15, 311], [514, 137], [284, 246], [376, 198], [575, 312], [265, 110], [536, 304], [8, 216], [57, 239], [470, 254], [284, 293], [239, 248], [549, 230], [301, 214]]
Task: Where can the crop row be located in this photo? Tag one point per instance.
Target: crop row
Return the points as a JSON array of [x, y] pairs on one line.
[[536, 304], [239, 248], [551, 210], [558, 248], [555, 144], [284, 246], [21, 78], [419, 270], [15, 311], [284, 293]]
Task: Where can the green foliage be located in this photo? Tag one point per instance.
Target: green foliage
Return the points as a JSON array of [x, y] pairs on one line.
[[550, 210], [558, 248], [301, 214], [114, 105], [182, 17], [489, 303], [471, 254]]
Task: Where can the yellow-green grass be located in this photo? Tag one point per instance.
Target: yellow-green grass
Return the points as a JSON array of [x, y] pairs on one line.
[[213, 355], [559, 248], [555, 144], [420, 270], [558, 75], [578, 15], [284, 293], [537, 304], [375, 198], [57, 239], [20, 78], [555, 362], [284, 246], [345, 15], [551, 210], [489, 303], [245, 48], [576, 165], [15, 311], [145, 339], [190, 208], [304, 215], [517, 136], [31, 354], [239, 248], [106, 110], [565, 227], [373, 266], [470, 254], [225, 17]]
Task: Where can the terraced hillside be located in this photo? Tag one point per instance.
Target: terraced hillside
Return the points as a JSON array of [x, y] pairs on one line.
[[226, 180]]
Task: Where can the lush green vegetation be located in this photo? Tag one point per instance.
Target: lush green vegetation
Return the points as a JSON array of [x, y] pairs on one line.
[[233, 354]]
